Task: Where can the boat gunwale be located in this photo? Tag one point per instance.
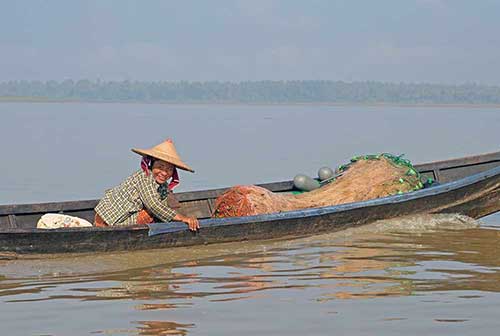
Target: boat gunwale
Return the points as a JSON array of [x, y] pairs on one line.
[[460, 162]]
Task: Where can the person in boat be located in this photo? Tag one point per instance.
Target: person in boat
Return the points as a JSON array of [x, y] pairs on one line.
[[146, 196]]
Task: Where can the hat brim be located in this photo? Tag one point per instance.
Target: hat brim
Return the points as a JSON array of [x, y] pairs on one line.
[[165, 157]]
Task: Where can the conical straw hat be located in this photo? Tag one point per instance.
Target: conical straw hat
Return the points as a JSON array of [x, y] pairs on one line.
[[166, 152]]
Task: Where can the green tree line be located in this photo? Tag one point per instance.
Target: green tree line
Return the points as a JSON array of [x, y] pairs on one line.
[[304, 91]]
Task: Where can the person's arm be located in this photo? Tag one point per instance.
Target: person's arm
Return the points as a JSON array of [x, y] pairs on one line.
[[158, 207]]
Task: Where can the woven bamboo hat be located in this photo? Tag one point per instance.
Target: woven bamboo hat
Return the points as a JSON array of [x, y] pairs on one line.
[[166, 152]]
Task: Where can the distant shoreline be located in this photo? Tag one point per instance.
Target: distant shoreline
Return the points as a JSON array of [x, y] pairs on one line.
[[252, 93], [36, 100]]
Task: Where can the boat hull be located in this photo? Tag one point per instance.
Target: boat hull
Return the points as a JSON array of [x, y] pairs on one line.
[[475, 196]]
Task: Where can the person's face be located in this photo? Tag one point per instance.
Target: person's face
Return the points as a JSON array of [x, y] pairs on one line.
[[162, 171]]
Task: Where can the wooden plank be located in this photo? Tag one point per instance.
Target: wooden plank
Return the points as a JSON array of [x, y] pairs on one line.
[[12, 224], [4, 221], [47, 207], [214, 193], [437, 175], [470, 160], [199, 209], [27, 221], [211, 205], [455, 173]]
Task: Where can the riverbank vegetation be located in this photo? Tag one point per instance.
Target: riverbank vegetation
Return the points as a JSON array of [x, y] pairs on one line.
[[306, 91]]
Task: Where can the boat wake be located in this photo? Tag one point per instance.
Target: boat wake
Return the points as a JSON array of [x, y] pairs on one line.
[[417, 224]]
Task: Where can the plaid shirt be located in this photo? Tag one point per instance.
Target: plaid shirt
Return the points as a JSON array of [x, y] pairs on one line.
[[121, 204]]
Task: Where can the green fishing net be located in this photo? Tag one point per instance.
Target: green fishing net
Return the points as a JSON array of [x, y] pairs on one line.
[[412, 180]]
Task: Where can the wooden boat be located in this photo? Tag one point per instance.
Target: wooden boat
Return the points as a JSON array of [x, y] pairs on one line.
[[469, 186]]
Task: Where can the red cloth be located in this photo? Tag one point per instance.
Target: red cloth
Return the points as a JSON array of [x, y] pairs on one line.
[[175, 180], [99, 222], [145, 162], [143, 217]]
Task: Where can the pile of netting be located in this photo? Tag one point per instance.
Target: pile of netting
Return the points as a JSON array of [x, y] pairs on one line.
[[365, 177]]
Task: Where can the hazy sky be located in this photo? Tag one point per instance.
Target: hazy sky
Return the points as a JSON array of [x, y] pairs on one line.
[[439, 41]]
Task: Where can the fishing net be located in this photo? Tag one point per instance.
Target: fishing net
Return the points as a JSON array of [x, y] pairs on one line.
[[365, 177]]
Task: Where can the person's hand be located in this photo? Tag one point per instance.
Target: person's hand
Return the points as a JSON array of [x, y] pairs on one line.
[[192, 223]]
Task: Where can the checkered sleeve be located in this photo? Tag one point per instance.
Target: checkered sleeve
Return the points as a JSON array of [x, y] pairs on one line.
[[152, 202]]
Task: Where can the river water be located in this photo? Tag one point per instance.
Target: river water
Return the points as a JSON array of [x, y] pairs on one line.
[[420, 275]]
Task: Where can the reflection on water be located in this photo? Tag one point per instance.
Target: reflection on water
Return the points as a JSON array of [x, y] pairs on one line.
[[404, 258], [162, 328]]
